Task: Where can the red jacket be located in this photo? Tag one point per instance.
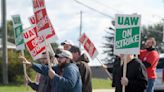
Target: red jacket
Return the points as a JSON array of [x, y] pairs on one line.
[[151, 57]]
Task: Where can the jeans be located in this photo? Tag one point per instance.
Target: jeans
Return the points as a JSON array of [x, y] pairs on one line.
[[150, 87]]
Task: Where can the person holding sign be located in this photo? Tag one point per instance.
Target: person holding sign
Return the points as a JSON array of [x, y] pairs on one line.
[[136, 78], [84, 69], [150, 57], [65, 76], [44, 84]]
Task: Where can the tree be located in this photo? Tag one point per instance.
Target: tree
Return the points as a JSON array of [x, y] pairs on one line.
[[10, 31], [108, 46], [155, 31]]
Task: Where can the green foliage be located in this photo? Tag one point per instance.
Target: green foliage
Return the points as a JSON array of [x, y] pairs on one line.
[[10, 31], [108, 46], [155, 31], [15, 68]]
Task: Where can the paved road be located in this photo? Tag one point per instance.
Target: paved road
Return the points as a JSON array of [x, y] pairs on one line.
[[103, 90], [111, 90]]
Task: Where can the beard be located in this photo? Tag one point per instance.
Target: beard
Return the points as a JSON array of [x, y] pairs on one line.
[[62, 64], [150, 48]]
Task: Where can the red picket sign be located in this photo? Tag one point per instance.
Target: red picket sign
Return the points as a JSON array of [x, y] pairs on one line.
[[51, 36], [35, 44], [88, 46], [42, 23], [38, 3], [41, 17]]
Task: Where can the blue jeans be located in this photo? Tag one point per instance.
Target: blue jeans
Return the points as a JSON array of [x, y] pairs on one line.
[[150, 87]]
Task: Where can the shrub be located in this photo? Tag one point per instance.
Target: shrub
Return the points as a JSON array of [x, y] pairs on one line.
[[15, 68]]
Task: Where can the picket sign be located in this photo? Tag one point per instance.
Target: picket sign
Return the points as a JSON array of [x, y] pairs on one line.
[[127, 37], [51, 37], [88, 46], [44, 31], [35, 44], [18, 32], [41, 17], [91, 50]]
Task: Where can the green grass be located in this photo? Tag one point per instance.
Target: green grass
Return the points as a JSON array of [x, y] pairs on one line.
[[15, 88], [101, 84], [96, 83]]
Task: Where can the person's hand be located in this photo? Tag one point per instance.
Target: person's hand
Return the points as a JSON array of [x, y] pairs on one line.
[[25, 61], [51, 73], [124, 81]]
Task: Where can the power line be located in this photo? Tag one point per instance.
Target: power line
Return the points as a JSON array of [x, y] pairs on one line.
[[102, 13], [107, 6], [105, 14], [118, 11]]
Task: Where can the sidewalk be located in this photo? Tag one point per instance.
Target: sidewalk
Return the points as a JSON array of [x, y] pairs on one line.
[[103, 90]]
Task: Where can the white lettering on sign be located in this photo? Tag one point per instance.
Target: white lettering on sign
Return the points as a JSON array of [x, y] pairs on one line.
[[127, 33], [39, 15], [38, 3], [35, 51], [18, 39], [37, 41], [18, 30], [88, 46], [91, 49], [127, 41], [42, 22]]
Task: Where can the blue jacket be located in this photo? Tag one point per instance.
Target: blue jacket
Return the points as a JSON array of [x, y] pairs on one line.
[[69, 81]]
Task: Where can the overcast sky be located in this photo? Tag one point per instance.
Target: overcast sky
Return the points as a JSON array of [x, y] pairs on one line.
[[65, 16]]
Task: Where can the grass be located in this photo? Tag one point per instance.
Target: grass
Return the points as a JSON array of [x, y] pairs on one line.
[[101, 84], [15, 88], [96, 83]]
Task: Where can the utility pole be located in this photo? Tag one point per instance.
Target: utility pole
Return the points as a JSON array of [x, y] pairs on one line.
[[163, 30], [4, 41], [81, 16]]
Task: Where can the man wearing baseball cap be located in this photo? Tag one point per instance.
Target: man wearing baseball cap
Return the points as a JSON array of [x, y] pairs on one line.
[[65, 76], [67, 44]]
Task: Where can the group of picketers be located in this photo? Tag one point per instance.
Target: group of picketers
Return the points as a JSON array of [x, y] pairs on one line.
[[71, 73]]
